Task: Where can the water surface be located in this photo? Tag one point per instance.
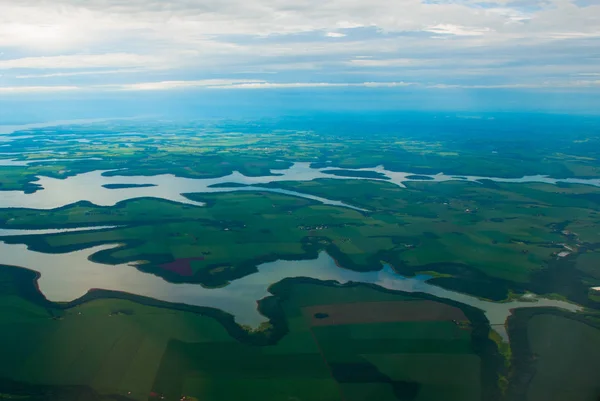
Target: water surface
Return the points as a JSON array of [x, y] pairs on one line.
[[68, 276], [21, 163], [10, 232], [89, 186]]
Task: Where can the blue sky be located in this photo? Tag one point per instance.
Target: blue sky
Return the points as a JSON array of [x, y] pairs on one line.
[[155, 45]]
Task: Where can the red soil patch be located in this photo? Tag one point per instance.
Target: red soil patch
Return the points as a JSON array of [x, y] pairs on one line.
[[376, 312], [183, 266]]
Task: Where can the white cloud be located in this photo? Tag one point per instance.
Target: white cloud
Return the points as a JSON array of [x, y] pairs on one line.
[[187, 39], [349, 24], [574, 35], [206, 84], [395, 62], [35, 89], [166, 85], [62, 24], [532, 85], [79, 61], [74, 74], [277, 85], [456, 30], [212, 84], [426, 62]]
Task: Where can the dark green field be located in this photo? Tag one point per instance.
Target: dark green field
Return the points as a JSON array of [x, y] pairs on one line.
[[417, 143], [123, 346], [556, 356], [323, 341], [489, 240], [407, 360]]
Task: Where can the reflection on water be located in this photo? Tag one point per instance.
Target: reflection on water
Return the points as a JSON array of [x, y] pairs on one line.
[[14, 232], [30, 162], [89, 186], [68, 276]]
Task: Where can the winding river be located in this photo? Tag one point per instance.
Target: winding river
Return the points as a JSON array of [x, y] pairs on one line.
[[68, 276], [90, 186]]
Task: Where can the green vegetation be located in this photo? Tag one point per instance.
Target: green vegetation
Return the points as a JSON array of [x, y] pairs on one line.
[[323, 341], [480, 240], [111, 345], [421, 144], [556, 355], [334, 362], [122, 345], [18, 179], [505, 350]]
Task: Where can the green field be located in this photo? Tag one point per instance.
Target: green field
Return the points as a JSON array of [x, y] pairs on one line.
[[486, 240], [323, 341], [117, 346], [556, 356], [340, 362], [561, 373], [420, 145]]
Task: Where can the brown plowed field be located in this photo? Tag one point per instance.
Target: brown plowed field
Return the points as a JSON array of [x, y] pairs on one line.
[[182, 267]]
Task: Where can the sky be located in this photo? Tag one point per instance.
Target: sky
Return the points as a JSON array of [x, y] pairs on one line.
[[133, 46]]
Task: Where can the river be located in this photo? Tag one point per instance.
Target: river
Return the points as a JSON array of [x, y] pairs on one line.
[[90, 186], [68, 276]]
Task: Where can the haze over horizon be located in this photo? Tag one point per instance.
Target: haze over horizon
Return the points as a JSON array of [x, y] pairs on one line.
[[403, 47]]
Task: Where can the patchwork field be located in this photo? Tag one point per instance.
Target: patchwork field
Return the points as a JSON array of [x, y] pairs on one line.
[[480, 239], [494, 240], [112, 346], [331, 355]]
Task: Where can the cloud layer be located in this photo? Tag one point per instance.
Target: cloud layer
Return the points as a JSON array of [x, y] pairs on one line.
[[159, 45]]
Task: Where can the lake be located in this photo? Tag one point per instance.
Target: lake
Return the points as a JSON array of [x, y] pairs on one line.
[[68, 276], [90, 186]]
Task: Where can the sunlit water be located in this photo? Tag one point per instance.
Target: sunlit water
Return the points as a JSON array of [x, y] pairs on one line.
[[32, 162], [68, 276], [15, 232], [89, 186]]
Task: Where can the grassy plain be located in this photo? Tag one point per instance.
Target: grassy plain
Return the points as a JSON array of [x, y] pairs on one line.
[[426, 143], [485, 240], [339, 362], [556, 356], [571, 373], [123, 347], [488, 239]]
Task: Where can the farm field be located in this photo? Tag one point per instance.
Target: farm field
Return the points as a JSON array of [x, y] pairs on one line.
[[488, 241], [555, 372], [124, 347], [334, 257], [360, 359], [426, 145]]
